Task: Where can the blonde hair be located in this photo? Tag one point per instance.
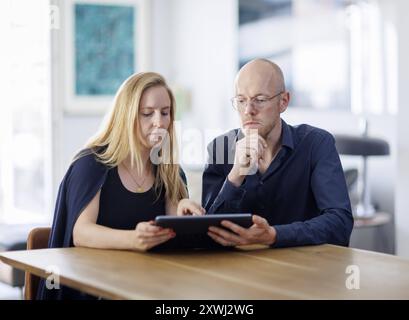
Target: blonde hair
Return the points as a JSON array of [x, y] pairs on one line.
[[120, 135]]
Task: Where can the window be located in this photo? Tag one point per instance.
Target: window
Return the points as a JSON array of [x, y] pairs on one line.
[[25, 160], [332, 52]]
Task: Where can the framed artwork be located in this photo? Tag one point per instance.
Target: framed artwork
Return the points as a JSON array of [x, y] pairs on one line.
[[105, 42]]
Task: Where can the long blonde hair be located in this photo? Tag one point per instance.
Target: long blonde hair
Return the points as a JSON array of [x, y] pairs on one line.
[[120, 135]]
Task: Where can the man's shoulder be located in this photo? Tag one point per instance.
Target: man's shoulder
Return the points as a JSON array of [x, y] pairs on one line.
[[227, 137], [308, 133], [222, 148], [231, 134]]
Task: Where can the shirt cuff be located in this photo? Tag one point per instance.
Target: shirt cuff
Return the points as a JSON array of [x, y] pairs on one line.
[[285, 236]]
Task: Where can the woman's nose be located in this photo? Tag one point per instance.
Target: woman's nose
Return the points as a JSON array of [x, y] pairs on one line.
[[157, 120]]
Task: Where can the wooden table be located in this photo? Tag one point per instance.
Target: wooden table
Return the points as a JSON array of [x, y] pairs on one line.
[[313, 272]]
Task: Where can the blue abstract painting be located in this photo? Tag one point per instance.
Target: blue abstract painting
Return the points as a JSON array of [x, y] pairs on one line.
[[104, 48]]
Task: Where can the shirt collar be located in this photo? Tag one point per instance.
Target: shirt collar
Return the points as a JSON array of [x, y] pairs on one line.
[[286, 135]]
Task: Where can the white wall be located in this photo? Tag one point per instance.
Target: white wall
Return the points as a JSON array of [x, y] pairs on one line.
[[162, 29], [204, 51]]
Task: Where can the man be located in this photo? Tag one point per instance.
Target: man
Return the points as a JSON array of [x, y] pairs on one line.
[[290, 178]]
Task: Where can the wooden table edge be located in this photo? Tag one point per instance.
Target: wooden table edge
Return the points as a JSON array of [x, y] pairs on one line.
[[89, 289]]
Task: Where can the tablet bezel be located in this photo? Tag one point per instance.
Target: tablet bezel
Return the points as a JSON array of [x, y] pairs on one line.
[[200, 224]]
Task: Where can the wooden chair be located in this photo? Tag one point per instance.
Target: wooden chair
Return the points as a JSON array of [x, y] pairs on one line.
[[37, 239]]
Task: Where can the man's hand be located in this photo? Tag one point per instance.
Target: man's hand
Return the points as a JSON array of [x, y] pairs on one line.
[[249, 151], [259, 233]]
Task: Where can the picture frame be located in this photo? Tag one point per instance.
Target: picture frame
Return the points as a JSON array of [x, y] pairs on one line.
[[105, 41]]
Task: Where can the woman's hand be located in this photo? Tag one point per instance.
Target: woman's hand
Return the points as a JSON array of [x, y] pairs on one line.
[[147, 235], [187, 207]]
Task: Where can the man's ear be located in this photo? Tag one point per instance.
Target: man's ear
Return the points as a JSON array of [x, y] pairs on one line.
[[285, 100]]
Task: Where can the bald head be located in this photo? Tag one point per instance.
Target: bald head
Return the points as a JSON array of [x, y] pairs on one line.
[[260, 74]]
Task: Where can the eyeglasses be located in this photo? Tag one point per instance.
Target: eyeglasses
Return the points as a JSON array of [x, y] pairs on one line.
[[260, 101]]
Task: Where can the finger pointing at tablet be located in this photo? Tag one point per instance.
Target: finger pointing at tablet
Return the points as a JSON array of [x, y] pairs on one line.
[[189, 207]]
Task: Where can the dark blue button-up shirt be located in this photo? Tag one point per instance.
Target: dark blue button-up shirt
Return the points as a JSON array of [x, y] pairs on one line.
[[303, 193]]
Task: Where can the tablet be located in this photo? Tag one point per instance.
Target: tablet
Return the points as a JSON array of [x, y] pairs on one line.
[[191, 231], [201, 224]]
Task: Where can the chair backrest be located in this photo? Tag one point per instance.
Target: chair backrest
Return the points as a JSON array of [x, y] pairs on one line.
[[361, 145], [37, 239]]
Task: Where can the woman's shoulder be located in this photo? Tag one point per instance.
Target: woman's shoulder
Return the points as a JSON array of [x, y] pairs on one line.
[[87, 163], [182, 175]]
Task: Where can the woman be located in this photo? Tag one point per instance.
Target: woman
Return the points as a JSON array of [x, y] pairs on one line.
[[126, 176]]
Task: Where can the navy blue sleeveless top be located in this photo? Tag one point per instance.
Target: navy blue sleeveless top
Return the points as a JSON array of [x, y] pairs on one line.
[[120, 208]]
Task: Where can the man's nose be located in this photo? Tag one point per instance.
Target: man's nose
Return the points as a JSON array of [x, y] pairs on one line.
[[250, 108]]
